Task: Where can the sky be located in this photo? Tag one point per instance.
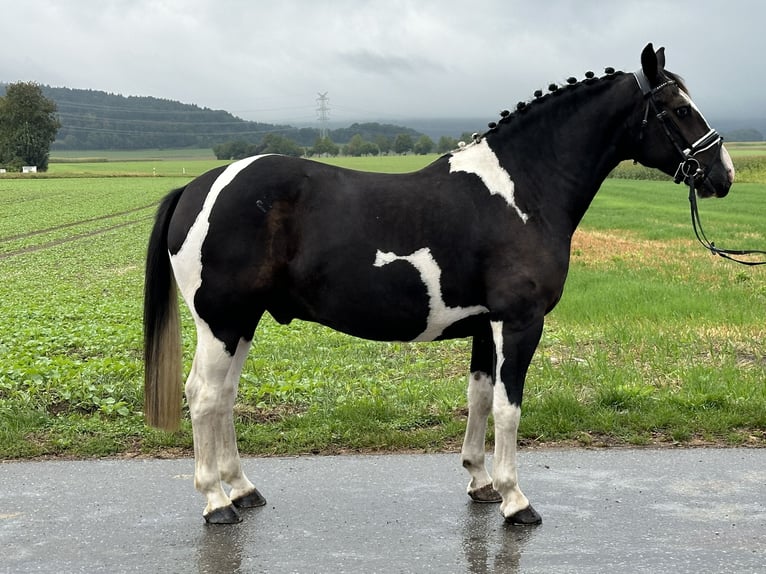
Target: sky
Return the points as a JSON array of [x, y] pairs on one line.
[[387, 60]]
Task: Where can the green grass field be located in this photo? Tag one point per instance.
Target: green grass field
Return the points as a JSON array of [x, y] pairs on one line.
[[654, 342]]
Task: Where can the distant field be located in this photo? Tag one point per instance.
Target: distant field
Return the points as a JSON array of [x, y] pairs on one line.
[[746, 148], [132, 155], [174, 163], [654, 342], [749, 158]]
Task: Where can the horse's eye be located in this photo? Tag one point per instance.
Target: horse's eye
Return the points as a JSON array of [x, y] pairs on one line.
[[683, 111]]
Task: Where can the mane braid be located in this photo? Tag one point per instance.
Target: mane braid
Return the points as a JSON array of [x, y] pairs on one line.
[[555, 90]]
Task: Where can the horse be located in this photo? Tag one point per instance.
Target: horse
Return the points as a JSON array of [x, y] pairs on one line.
[[476, 244]]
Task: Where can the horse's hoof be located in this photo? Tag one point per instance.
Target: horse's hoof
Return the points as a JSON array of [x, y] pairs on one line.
[[525, 517], [249, 500], [485, 494], [223, 515]]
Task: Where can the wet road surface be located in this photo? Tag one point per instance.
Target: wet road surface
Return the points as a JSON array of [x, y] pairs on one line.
[[604, 511]]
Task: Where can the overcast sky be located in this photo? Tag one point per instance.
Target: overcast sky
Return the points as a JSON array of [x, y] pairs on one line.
[[385, 60]]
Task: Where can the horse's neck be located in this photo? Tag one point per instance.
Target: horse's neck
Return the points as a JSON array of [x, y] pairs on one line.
[[566, 152]]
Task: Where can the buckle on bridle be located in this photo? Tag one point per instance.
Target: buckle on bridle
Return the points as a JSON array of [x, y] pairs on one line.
[[688, 170]]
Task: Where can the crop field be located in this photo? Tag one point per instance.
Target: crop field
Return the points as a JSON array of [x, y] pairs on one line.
[[654, 342]]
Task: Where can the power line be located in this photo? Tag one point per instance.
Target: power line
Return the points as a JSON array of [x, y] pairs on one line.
[[137, 132]]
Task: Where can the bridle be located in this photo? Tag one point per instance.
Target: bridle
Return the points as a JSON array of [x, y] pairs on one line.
[[689, 169]]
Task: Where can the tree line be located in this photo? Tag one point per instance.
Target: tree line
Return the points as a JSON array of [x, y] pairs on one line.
[[32, 122], [96, 120], [357, 146]]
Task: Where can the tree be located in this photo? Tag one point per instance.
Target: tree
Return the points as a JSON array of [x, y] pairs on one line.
[[324, 146], [424, 145], [446, 144], [383, 143], [354, 146], [237, 149], [403, 143], [743, 135], [271, 143], [275, 143], [369, 148], [28, 126]]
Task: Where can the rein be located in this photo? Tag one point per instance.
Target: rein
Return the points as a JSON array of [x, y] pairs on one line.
[[700, 233], [689, 170]]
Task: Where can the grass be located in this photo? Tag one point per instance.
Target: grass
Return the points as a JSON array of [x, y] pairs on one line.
[[654, 342]]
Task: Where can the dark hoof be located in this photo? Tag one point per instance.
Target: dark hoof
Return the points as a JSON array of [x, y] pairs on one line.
[[485, 494], [526, 517], [249, 500], [224, 515]]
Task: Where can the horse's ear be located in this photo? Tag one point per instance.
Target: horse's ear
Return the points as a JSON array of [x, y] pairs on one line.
[[649, 63], [653, 63], [661, 58]]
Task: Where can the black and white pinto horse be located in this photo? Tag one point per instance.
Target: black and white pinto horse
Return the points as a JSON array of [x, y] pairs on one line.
[[475, 245]]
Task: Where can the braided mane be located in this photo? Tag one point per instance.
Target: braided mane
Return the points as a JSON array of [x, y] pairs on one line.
[[554, 90]]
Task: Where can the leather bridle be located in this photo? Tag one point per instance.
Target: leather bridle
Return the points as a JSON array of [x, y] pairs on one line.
[[689, 169]]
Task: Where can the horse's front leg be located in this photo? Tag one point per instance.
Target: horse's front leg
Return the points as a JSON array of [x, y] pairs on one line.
[[514, 350]]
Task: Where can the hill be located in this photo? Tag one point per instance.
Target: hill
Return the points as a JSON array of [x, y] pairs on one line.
[[97, 120]]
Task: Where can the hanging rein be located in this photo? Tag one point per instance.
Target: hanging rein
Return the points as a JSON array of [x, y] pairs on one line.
[[689, 170]]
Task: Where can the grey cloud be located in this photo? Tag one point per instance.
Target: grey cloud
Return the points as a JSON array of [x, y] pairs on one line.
[[399, 58], [378, 63]]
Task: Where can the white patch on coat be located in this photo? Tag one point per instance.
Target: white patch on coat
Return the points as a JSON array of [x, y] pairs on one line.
[[187, 263], [440, 316], [507, 417], [479, 159]]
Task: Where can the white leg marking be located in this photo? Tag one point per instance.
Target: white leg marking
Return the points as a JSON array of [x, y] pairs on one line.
[[211, 392], [229, 464], [479, 406], [208, 398], [479, 159], [507, 416], [440, 316]]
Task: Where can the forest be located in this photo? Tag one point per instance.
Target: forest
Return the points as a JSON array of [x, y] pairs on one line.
[[97, 120]]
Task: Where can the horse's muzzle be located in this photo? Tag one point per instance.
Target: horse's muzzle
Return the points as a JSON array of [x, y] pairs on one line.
[[719, 178]]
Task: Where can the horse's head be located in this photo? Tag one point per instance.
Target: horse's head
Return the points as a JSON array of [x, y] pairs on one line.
[[674, 135]]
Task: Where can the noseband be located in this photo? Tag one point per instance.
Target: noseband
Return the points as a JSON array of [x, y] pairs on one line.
[[689, 170]]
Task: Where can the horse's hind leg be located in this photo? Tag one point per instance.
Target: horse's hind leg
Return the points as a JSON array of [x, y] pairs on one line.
[[211, 391], [243, 493], [480, 393]]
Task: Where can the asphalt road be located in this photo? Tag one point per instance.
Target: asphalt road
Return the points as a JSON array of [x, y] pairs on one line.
[[604, 511]]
